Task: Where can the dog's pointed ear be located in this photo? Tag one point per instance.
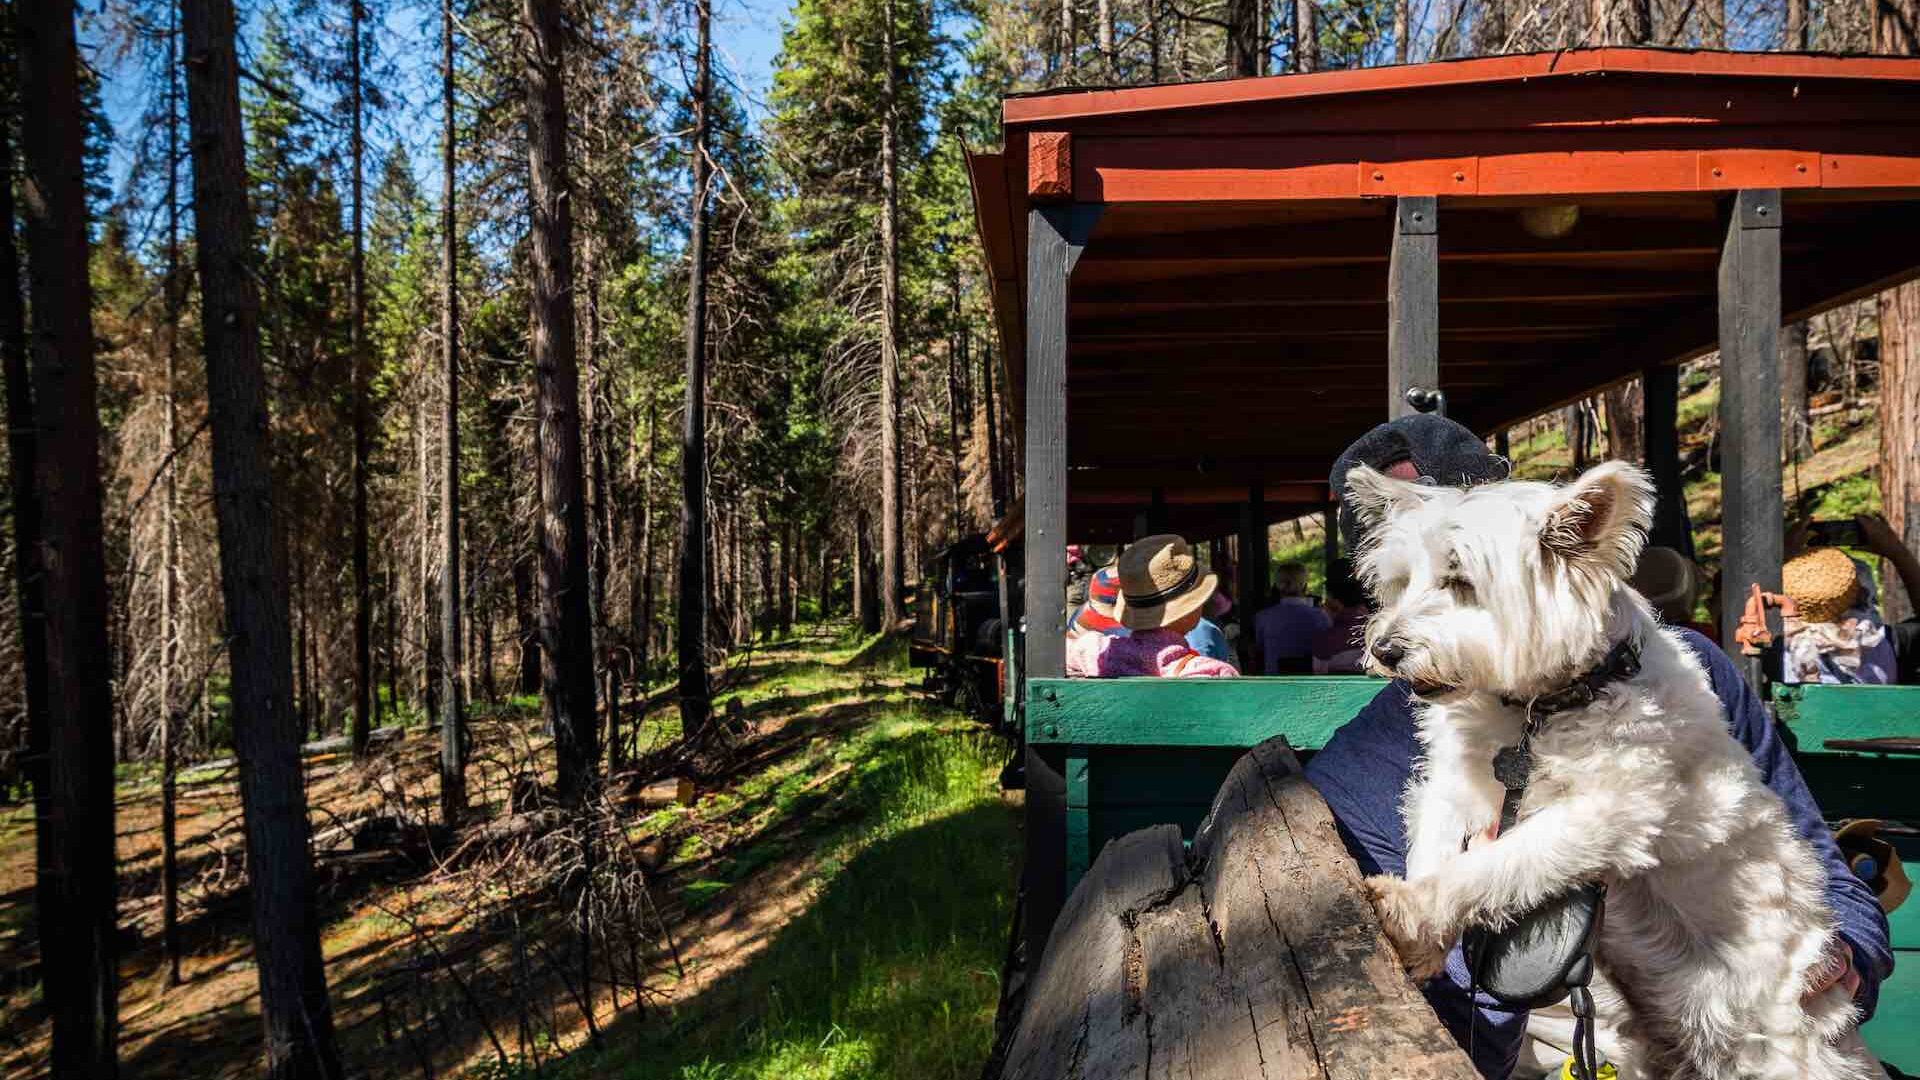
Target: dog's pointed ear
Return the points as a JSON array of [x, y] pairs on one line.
[[1601, 520], [1375, 496]]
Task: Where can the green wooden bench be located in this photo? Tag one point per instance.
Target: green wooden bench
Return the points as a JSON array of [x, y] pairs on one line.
[[1141, 752]]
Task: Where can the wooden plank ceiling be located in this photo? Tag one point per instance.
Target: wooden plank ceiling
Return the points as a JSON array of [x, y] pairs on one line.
[[1227, 323]]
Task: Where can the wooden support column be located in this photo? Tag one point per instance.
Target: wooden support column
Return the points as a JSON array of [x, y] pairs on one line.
[[1660, 389], [1252, 583], [1056, 237], [1413, 302], [1752, 506]]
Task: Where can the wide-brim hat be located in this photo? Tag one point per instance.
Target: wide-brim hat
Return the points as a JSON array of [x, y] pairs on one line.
[[1161, 583], [1822, 582]]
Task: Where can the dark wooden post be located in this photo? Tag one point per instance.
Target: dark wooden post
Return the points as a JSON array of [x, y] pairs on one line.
[[1660, 388], [1749, 403], [1056, 236], [1413, 302], [1251, 582]]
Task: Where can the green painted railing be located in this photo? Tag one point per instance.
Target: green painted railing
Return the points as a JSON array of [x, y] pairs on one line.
[[1820, 714], [1138, 752], [1307, 709]]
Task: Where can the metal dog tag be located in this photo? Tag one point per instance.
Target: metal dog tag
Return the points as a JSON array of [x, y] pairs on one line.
[[1512, 766]]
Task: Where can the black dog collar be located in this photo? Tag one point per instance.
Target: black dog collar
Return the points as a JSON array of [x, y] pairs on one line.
[[1513, 765], [1621, 662]]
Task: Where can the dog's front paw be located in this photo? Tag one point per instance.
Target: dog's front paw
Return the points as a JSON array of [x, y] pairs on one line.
[[1402, 906]]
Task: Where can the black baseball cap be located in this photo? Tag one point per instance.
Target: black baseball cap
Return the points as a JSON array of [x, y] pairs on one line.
[[1420, 447]]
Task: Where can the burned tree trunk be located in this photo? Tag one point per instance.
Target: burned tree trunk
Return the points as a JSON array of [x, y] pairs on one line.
[[362, 597], [75, 873], [892, 511], [294, 1009], [565, 625], [1256, 954], [453, 731], [693, 610]]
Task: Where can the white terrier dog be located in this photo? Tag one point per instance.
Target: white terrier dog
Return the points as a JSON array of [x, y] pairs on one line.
[[1491, 598]]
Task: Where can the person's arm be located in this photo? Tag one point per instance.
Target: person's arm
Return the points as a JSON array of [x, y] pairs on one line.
[[1361, 773], [1856, 912], [1877, 536]]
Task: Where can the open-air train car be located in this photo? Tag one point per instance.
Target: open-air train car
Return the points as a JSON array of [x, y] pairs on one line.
[[1204, 292]]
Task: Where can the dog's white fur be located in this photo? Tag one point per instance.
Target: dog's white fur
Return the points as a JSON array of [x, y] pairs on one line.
[[1715, 911]]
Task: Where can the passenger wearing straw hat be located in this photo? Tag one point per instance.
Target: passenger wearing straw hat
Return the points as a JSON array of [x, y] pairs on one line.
[[1163, 594]]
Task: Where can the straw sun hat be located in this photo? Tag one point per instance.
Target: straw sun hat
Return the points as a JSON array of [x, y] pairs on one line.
[[1822, 582], [1160, 583]]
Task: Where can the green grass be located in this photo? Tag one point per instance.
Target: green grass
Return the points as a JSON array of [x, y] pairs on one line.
[[892, 969]]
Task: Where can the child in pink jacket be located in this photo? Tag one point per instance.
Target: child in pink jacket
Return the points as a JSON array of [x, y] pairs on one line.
[[1162, 596]]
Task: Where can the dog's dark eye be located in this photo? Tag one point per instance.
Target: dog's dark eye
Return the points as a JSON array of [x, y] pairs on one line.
[[1460, 587]]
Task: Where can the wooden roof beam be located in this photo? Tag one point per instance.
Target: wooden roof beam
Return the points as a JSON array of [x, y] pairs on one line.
[[1464, 284], [1471, 236]]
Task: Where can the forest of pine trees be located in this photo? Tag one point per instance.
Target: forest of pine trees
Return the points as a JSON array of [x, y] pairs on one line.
[[371, 362]]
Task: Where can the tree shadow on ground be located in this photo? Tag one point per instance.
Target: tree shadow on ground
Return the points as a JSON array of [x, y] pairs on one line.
[[891, 971]]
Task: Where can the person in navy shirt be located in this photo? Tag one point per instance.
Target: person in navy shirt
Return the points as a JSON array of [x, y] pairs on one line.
[[1365, 766]]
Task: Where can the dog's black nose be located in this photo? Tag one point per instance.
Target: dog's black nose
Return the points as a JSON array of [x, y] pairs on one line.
[[1389, 652]]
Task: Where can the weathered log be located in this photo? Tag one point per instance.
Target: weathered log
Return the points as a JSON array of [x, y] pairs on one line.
[[1254, 955]]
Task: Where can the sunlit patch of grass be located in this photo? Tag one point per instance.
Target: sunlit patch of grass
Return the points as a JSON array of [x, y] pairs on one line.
[[892, 968], [701, 892]]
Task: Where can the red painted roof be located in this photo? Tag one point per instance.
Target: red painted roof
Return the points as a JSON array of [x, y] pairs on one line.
[[1227, 322]]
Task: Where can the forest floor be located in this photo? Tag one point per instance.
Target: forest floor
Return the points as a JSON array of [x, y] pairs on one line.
[[830, 899]]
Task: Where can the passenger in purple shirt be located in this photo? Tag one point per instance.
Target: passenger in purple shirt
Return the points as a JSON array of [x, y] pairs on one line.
[[1284, 631], [1364, 768]]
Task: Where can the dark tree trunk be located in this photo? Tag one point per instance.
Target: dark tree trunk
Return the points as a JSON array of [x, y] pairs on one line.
[[1896, 31], [1244, 37], [641, 590], [790, 564], [1626, 439], [892, 539], [565, 624], [54, 433], [692, 644], [825, 610], [429, 621], [76, 875], [453, 731], [305, 716], [170, 542], [297, 1018], [362, 597], [1401, 45], [22, 444]]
